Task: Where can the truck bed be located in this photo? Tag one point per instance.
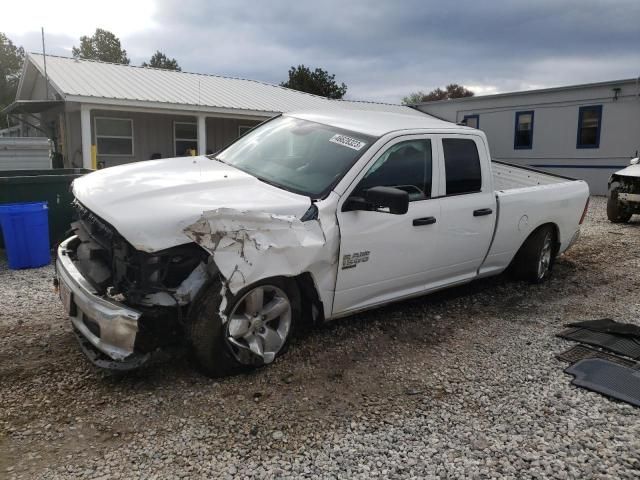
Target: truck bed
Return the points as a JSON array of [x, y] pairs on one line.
[[507, 177], [526, 199]]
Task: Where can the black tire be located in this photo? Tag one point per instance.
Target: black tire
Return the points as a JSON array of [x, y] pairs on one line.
[[527, 261], [616, 213], [207, 333]]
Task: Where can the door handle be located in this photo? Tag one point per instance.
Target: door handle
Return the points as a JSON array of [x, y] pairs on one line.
[[482, 211], [424, 221]]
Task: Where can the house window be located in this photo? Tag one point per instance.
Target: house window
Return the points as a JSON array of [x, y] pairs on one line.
[[185, 138], [523, 137], [242, 129], [472, 121], [114, 136], [589, 122]]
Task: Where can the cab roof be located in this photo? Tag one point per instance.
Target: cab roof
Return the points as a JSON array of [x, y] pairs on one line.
[[375, 124]]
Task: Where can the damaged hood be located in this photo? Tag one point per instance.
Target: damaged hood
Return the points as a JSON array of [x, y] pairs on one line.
[[150, 203], [630, 171]]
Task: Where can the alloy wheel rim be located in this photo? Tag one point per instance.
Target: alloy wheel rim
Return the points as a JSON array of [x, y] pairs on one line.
[[259, 324], [544, 260]]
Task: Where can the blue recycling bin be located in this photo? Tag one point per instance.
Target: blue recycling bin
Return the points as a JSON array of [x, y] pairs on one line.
[[25, 228]]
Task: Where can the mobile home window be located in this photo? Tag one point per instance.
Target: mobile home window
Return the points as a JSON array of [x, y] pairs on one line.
[[185, 138], [114, 136], [462, 166], [589, 123], [524, 130], [472, 121]]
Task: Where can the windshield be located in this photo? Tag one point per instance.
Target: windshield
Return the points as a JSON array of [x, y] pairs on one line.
[[297, 155]]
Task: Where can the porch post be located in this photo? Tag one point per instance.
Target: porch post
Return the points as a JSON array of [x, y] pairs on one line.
[[85, 130], [202, 135]]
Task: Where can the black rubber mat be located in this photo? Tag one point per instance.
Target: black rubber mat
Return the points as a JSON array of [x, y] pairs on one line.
[[607, 378], [579, 352], [622, 345], [606, 325]]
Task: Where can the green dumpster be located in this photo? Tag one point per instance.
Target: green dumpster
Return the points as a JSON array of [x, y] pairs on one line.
[[51, 186]]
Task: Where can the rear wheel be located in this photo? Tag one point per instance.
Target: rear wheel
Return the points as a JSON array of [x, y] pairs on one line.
[[535, 259], [252, 331], [616, 212]]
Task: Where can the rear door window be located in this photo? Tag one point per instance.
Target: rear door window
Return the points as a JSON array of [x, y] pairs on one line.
[[462, 166]]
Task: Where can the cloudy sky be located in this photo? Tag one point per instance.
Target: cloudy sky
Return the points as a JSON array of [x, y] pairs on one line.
[[381, 50]]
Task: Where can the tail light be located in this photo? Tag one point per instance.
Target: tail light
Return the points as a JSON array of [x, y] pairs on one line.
[[584, 212]]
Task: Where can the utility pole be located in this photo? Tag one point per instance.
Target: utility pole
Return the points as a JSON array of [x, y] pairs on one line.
[[44, 58]]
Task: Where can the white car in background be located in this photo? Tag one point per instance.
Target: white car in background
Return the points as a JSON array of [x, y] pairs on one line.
[[309, 217], [623, 198]]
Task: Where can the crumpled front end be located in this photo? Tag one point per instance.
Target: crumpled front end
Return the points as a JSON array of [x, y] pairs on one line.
[[108, 326], [248, 246], [627, 188], [124, 303]]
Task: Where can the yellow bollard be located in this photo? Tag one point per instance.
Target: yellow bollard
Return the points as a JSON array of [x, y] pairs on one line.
[[94, 157]]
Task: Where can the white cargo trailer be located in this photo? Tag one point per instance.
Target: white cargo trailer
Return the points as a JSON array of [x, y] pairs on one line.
[[25, 153]]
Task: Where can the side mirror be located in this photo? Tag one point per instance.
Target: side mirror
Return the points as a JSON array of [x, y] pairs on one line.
[[634, 161], [396, 200], [375, 198]]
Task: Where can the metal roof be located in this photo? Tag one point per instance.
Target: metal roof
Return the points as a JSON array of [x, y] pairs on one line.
[[30, 106], [92, 81], [564, 88]]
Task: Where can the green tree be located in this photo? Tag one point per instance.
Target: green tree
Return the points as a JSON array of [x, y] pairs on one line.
[[160, 60], [413, 98], [11, 60], [453, 90], [318, 82], [103, 46]]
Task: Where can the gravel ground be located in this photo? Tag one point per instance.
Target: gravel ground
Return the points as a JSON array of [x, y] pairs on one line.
[[461, 384]]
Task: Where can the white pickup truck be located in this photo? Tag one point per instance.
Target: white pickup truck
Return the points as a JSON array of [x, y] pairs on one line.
[[309, 217]]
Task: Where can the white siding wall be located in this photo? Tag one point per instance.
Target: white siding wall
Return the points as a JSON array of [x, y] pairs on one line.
[[555, 129], [73, 150], [222, 131], [152, 133]]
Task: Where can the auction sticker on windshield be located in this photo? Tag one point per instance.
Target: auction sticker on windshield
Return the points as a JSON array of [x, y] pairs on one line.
[[347, 141]]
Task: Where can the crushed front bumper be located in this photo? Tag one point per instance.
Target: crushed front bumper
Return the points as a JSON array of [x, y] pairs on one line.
[[108, 326], [629, 197]]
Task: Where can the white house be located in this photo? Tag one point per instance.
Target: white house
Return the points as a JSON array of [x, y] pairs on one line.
[[102, 114], [581, 131]]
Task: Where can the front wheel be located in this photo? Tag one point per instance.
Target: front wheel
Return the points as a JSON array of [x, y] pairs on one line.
[[253, 330], [535, 259], [616, 213]]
